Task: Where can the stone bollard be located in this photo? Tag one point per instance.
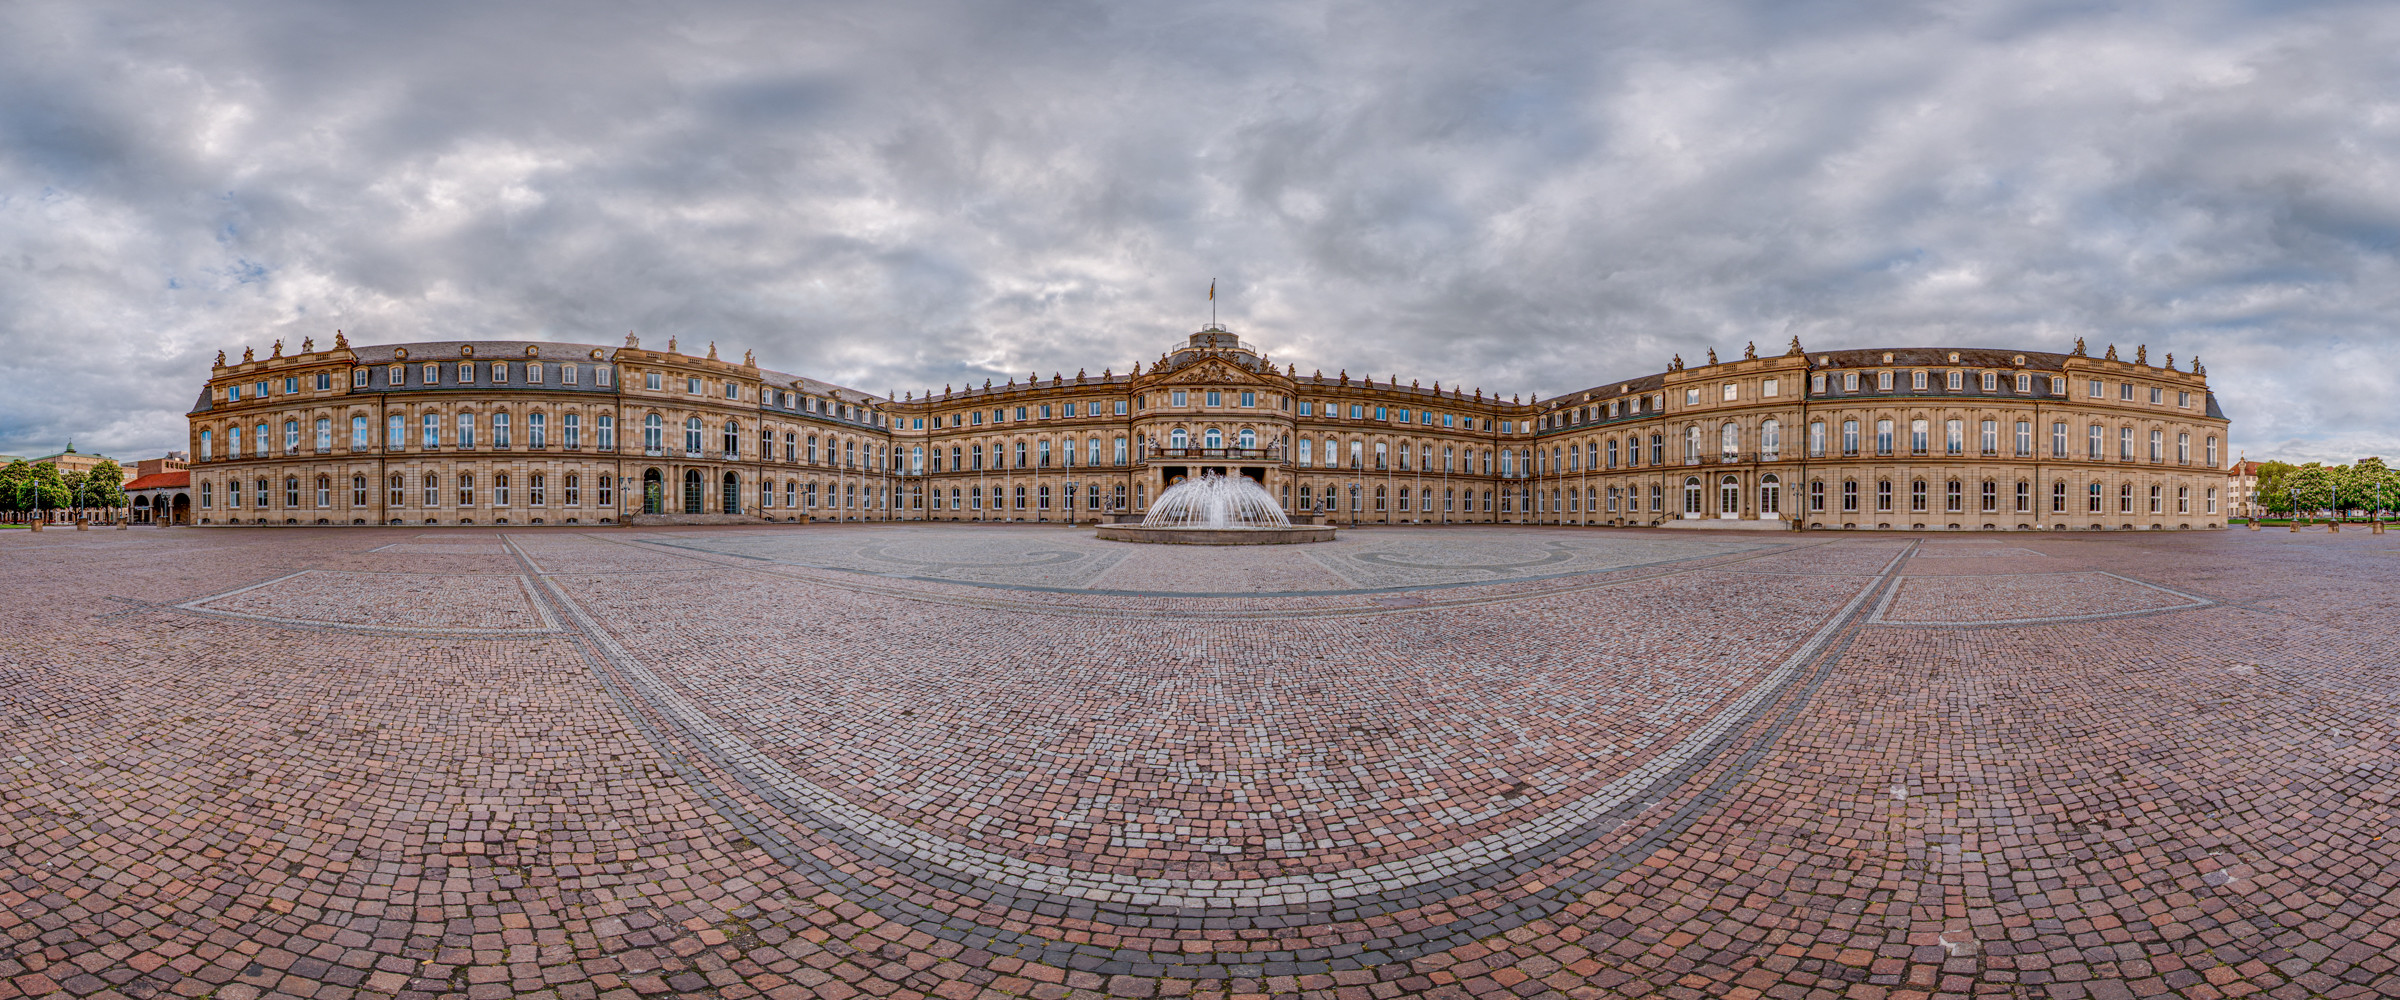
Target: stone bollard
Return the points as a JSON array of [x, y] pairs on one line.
[[122, 525], [83, 524], [35, 524], [2378, 528], [2295, 525], [2254, 525], [2334, 526]]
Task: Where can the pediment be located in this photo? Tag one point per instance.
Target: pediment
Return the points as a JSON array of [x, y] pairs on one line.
[[1218, 372]]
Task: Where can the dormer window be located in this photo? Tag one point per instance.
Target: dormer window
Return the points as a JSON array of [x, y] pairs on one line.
[[1957, 380], [499, 372], [395, 375], [533, 372], [358, 378], [1883, 379], [466, 373], [1916, 379], [2024, 382]]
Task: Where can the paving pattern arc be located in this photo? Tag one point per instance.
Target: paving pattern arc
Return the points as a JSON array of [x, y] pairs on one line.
[[1001, 761]]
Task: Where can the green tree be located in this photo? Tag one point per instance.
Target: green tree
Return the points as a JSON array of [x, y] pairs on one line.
[[2271, 495], [2311, 487], [25, 486], [104, 486], [2373, 485]]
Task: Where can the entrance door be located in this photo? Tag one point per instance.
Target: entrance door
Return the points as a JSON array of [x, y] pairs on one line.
[[1729, 497], [654, 493], [733, 494], [691, 491]]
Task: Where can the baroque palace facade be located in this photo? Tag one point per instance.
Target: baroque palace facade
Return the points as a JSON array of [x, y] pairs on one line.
[[520, 432]]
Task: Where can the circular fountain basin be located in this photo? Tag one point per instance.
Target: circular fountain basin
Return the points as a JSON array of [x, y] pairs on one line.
[[1216, 510], [1182, 535]]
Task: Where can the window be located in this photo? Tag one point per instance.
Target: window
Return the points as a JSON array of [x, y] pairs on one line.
[[1691, 495], [2183, 499], [2212, 500], [1883, 437], [533, 373], [291, 492], [2024, 497], [1916, 379], [2183, 399], [1178, 397], [2058, 439], [1816, 383], [2096, 391], [2125, 498], [566, 376], [1770, 495], [1732, 392], [691, 387], [395, 490], [395, 432], [499, 486], [537, 429], [1729, 442], [2156, 394], [2058, 498], [1954, 436], [733, 441], [1956, 382], [207, 441], [733, 390], [2098, 442], [2155, 507], [1849, 495], [358, 435], [1991, 437], [325, 435], [1249, 398], [1816, 496], [1816, 439], [325, 381], [1849, 381], [500, 438], [572, 429], [433, 490], [2024, 439], [691, 438], [1991, 381], [2024, 382], [466, 489], [499, 375], [2158, 448], [1991, 497], [1918, 496], [2212, 454], [1768, 388], [1850, 437], [358, 379], [2096, 496], [2125, 444], [1918, 433], [466, 372], [1883, 495]]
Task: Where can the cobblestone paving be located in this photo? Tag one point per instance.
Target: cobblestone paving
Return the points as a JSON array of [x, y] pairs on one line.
[[987, 761]]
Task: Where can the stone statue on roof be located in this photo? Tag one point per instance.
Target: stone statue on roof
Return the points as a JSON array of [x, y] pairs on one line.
[[1795, 351], [220, 359], [631, 340], [749, 359], [278, 352], [2112, 353], [1750, 352], [1712, 355], [340, 343], [712, 350], [671, 345], [248, 353], [309, 344], [2141, 354]]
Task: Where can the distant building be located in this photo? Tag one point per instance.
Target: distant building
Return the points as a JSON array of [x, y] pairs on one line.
[[172, 461], [2241, 489], [71, 460], [161, 496]]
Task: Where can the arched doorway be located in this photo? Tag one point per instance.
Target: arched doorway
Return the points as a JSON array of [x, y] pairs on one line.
[[1729, 497], [141, 509], [1691, 496], [691, 491], [1770, 496], [732, 499], [654, 492], [183, 509]]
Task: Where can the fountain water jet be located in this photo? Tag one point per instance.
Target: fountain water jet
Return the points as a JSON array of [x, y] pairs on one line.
[[1216, 510]]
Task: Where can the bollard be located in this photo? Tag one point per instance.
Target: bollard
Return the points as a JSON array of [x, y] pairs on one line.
[[2254, 525], [2378, 529], [2334, 526], [83, 525], [36, 524], [2295, 525]]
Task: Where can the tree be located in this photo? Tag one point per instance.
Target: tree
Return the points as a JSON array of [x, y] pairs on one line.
[[104, 486], [2311, 487], [25, 486], [2373, 485]]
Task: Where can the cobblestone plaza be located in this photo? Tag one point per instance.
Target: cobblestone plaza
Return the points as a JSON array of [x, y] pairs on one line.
[[970, 761]]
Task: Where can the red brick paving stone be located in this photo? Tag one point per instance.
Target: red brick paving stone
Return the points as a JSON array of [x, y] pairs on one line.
[[2190, 802]]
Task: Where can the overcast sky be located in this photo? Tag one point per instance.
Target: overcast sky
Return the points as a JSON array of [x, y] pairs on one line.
[[1525, 197]]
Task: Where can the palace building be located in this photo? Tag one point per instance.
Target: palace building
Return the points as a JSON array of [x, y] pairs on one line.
[[525, 432]]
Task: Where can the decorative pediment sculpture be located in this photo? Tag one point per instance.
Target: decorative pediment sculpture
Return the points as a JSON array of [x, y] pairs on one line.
[[2078, 351], [2112, 353], [2141, 354], [1795, 351], [220, 359], [631, 340], [1712, 355], [308, 345], [340, 343], [278, 352], [248, 354], [1750, 351]]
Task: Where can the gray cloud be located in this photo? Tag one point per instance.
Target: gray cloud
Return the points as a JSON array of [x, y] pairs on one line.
[[1530, 198]]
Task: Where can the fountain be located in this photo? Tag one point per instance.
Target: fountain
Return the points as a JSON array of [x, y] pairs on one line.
[[1216, 510]]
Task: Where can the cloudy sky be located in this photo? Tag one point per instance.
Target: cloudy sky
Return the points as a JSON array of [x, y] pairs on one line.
[[1528, 197]]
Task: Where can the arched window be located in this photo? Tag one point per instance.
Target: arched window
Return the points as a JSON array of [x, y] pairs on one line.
[[653, 436], [1729, 495], [1691, 492], [1249, 438], [691, 441], [1729, 441], [1770, 495], [691, 481], [1770, 440], [1212, 438], [654, 492]]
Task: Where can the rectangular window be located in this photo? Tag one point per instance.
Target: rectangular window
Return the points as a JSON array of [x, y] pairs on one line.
[[1954, 436], [606, 431], [2024, 383], [1917, 496], [1816, 384], [733, 390], [2155, 399], [2212, 499], [2125, 444], [1883, 437], [395, 432], [1991, 381], [2098, 442], [2212, 452], [358, 378], [1850, 495], [2024, 497], [1768, 388], [325, 381], [1883, 495], [1957, 380], [2158, 446], [1045, 411], [2024, 439], [2183, 399], [1732, 392], [466, 430], [566, 376], [2097, 392], [573, 427], [1249, 398], [691, 385], [499, 372], [1916, 379], [2058, 439], [533, 376], [1178, 397]]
